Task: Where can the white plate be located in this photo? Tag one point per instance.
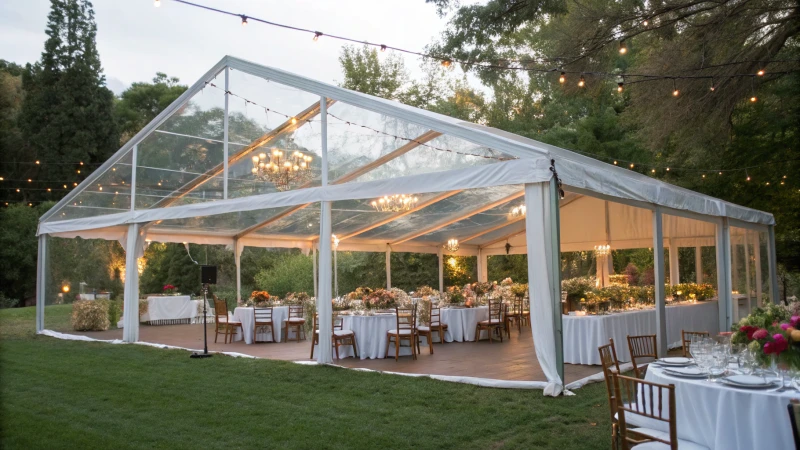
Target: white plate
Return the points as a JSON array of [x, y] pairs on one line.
[[749, 381], [674, 361], [686, 372]]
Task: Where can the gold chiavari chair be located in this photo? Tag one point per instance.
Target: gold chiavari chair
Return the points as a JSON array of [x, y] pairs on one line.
[[610, 365], [686, 339], [642, 347], [224, 324], [493, 324], [435, 326], [262, 320], [339, 336], [296, 321], [406, 329]]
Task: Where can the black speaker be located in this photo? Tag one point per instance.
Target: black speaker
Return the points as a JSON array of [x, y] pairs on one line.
[[208, 274]]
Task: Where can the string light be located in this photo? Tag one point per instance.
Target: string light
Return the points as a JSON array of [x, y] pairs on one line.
[[622, 48], [760, 73], [563, 78], [582, 82], [631, 165], [615, 163], [712, 85], [383, 48], [675, 91], [446, 62], [619, 86], [317, 34], [645, 23], [244, 20], [753, 98], [294, 120], [157, 3]]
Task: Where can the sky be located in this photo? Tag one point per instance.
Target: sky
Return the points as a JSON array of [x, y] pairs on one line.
[[136, 40]]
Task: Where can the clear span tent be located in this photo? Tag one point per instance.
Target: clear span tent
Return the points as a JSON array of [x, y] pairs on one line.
[[186, 177]]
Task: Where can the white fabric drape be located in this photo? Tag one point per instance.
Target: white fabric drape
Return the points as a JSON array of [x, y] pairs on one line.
[[324, 307], [539, 240], [134, 249]]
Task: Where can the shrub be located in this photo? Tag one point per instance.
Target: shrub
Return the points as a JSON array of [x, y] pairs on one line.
[[6, 302], [632, 273], [114, 310], [292, 273], [90, 315]]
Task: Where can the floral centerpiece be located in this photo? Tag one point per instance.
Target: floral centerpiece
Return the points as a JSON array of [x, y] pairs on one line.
[[341, 304], [260, 298], [296, 298], [170, 289], [519, 289], [380, 299], [426, 291], [455, 296], [576, 289], [360, 293], [772, 334], [507, 282]]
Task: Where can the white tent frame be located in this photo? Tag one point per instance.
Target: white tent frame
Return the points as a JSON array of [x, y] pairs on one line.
[[581, 176]]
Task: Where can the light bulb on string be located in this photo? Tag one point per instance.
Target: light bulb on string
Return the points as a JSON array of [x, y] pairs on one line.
[[446, 62], [712, 88], [615, 163], [317, 34], [631, 165], [675, 91], [157, 3], [582, 81], [619, 87], [753, 97], [622, 48], [645, 23], [383, 48], [760, 73], [563, 78], [244, 20]]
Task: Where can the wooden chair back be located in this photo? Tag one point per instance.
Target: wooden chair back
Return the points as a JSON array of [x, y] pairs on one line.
[[296, 312], [686, 339], [435, 315], [220, 308], [653, 401], [495, 312], [406, 318], [338, 322], [642, 347], [610, 365], [517, 307], [262, 315]]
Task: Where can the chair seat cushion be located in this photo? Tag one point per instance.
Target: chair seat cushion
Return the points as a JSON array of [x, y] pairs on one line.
[[402, 332], [230, 321], [423, 328], [487, 322], [682, 444], [295, 320], [343, 332]]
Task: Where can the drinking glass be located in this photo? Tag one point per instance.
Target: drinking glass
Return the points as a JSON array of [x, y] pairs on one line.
[[747, 362], [736, 353]]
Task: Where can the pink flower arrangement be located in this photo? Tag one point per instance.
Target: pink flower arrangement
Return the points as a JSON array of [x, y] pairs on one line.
[[761, 334], [778, 345], [169, 289]]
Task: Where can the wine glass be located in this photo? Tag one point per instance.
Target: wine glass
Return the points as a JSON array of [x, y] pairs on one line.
[[747, 362]]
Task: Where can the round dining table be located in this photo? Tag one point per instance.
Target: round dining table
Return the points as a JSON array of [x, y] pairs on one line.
[[721, 417], [461, 322], [246, 315], [370, 334]]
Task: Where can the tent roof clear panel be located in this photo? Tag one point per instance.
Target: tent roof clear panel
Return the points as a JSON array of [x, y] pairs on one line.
[[226, 224], [186, 149], [300, 224], [442, 211], [472, 225], [358, 137], [265, 116], [109, 194]]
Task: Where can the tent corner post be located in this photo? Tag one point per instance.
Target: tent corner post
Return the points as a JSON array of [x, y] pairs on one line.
[[41, 282], [388, 266], [555, 244], [773, 265], [724, 280], [238, 248], [440, 256], [134, 244], [660, 281]]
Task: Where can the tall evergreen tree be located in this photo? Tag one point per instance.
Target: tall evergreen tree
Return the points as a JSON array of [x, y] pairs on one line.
[[68, 113]]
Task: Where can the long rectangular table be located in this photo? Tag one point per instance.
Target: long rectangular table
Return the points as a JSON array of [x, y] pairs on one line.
[[583, 334], [170, 309]]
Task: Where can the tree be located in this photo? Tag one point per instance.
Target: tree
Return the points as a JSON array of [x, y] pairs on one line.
[[67, 116], [18, 249], [142, 102]]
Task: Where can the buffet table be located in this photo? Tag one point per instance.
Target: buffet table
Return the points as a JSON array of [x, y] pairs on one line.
[[461, 322], [721, 417], [247, 317], [584, 334], [170, 309]]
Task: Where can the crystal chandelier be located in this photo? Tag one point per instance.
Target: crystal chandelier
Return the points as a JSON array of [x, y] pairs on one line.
[[517, 211], [334, 241], [395, 203], [451, 246], [281, 169], [602, 250]]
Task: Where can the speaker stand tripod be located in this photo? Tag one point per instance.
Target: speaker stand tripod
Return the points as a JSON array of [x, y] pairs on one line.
[[205, 353]]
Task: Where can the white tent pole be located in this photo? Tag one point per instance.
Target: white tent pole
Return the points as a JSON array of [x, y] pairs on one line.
[[133, 244], [773, 265], [225, 136], [336, 273], [734, 263], [314, 268], [238, 247], [441, 269], [658, 271], [724, 275], [483, 270], [748, 286], [555, 273], [41, 282], [388, 266], [674, 270], [698, 264], [757, 257], [324, 309]]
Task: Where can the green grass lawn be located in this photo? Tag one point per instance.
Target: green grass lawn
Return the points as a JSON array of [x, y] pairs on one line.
[[64, 394]]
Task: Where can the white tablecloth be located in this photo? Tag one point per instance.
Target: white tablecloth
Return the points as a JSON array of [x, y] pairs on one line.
[[724, 418], [583, 334], [245, 315], [371, 336], [461, 322], [170, 307]]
